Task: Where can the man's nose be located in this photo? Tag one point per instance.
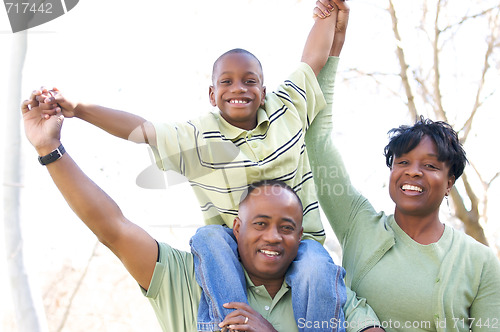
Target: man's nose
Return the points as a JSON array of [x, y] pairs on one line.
[[272, 235]]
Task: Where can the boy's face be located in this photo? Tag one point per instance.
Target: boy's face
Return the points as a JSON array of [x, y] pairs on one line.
[[238, 89]]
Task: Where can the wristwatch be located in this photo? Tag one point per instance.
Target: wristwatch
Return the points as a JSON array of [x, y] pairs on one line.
[[53, 156]]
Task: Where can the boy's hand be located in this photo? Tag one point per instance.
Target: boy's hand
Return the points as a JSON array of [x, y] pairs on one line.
[[323, 9], [52, 102]]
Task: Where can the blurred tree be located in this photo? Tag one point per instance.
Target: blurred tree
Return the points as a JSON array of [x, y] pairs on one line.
[[29, 314]]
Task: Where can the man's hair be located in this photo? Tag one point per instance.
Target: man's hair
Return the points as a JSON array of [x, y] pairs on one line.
[[236, 51], [405, 138], [268, 183]]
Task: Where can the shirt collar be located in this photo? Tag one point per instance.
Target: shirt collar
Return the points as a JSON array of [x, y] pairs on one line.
[[231, 132]]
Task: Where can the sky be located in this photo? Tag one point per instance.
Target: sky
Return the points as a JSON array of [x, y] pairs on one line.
[[153, 58]]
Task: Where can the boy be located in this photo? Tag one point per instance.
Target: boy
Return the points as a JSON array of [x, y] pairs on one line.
[[253, 137]]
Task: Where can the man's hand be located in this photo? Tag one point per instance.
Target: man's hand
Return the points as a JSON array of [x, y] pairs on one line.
[[52, 102], [244, 318], [43, 131]]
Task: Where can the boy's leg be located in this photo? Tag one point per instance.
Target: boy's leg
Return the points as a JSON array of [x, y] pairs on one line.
[[318, 290], [219, 274]]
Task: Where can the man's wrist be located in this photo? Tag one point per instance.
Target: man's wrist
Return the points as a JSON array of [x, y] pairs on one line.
[[54, 155], [47, 147]]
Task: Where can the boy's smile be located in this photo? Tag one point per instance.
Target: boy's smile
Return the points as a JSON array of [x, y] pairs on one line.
[[238, 89]]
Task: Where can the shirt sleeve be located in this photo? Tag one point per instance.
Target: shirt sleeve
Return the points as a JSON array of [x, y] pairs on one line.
[[358, 314], [301, 94], [173, 291], [485, 309]]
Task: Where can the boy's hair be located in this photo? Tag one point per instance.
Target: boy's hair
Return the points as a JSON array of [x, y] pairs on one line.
[[268, 183], [405, 138], [236, 51]]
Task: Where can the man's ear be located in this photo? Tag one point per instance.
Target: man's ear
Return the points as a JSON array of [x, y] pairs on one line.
[[236, 227], [263, 96], [211, 95]]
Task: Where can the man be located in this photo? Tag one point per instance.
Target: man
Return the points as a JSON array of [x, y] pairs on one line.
[[268, 230]]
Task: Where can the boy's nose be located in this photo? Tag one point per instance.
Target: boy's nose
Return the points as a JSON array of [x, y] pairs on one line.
[[239, 88]]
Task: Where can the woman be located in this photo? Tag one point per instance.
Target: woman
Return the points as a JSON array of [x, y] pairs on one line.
[[415, 272]]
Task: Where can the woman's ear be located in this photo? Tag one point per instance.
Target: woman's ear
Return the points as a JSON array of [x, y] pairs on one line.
[[451, 182]]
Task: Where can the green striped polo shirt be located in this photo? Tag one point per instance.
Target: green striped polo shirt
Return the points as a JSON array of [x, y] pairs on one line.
[[220, 160]]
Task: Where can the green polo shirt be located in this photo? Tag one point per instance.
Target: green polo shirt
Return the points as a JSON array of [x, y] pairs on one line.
[[175, 295], [220, 160]]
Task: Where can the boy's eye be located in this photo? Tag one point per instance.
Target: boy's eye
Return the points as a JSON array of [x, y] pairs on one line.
[[226, 81], [251, 81]]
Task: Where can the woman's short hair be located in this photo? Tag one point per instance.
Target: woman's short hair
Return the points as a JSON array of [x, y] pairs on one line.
[[405, 138]]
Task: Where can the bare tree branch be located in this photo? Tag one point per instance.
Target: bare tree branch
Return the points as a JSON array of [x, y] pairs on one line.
[[439, 109], [77, 288], [486, 66], [402, 62]]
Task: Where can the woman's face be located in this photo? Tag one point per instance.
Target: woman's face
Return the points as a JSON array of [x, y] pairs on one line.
[[419, 181]]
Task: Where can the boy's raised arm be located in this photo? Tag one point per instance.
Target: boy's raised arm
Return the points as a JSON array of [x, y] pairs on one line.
[[132, 245], [118, 123], [321, 43]]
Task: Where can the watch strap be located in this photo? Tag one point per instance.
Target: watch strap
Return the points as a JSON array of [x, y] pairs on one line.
[[53, 156]]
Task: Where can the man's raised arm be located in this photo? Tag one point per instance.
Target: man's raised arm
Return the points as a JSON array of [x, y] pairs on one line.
[[132, 245]]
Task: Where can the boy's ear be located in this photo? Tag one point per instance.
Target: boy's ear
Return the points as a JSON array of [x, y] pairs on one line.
[[211, 95], [262, 101]]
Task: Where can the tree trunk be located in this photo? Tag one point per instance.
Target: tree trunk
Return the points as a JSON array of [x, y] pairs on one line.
[[29, 316]]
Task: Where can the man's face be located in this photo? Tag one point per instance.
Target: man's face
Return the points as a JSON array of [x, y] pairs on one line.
[[268, 231], [238, 89]]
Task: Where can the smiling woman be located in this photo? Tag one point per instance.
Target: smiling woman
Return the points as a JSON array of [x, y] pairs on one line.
[[449, 281]]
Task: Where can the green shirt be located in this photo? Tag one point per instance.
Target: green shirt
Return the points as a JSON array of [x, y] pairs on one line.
[[175, 295], [451, 285], [220, 160]]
